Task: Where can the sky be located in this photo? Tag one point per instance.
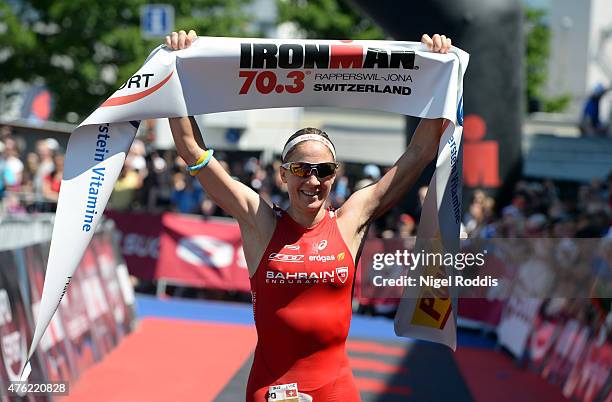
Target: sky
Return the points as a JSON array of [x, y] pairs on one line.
[[537, 3]]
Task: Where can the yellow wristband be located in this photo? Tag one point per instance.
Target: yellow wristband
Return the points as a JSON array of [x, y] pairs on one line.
[[201, 162]]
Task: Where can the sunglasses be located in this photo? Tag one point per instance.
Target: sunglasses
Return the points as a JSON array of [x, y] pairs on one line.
[[305, 169]]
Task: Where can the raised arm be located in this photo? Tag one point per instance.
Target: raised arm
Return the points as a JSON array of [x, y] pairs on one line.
[[235, 198], [371, 202]]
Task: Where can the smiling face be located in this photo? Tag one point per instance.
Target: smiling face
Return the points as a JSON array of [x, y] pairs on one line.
[[309, 193]]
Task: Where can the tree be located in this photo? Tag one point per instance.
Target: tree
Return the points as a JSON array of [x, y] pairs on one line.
[[83, 49], [537, 53], [328, 19]]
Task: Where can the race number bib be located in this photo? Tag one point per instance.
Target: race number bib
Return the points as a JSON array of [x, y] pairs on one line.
[[283, 393]]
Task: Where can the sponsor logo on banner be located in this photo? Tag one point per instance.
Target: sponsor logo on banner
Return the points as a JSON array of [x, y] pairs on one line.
[[205, 250], [342, 273], [135, 81], [286, 257], [454, 179], [432, 312], [96, 179], [322, 56]]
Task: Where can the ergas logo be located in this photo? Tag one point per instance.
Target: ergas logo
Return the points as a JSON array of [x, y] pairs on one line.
[[340, 256], [322, 258]]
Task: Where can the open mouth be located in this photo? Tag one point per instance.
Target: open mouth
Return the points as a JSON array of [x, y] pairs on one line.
[[309, 193]]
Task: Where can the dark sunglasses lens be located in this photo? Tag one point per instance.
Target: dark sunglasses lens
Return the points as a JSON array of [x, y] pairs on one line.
[[325, 169], [300, 169]]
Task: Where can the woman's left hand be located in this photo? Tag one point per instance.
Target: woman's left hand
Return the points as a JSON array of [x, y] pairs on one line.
[[437, 44]]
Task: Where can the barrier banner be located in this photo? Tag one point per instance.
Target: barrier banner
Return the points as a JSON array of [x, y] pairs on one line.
[[56, 351], [108, 263], [223, 74], [517, 322], [15, 331], [587, 380], [541, 342], [139, 240], [383, 298], [79, 327], [203, 253], [569, 346], [96, 305]]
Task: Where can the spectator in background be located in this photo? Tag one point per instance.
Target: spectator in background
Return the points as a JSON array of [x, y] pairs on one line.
[[53, 181], [371, 174], [45, 152], [13, 165], [5, 132], [407, 226], [188, 195], [340, 192], [12, 206], [2, 171], [29, 172], [590, 123], [125, 188]]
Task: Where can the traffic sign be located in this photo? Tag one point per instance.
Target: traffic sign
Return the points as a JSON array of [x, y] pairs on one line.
[[156, 20]]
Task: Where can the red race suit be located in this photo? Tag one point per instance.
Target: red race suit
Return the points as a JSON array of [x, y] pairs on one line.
[[302, 292]]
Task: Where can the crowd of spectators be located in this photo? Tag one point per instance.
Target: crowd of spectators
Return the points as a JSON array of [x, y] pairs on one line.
[[553, 244], [155, 181]]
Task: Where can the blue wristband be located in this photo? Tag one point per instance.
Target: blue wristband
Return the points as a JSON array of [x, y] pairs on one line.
[[195, 169]]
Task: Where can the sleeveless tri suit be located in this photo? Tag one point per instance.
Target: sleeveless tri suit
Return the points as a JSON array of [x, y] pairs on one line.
[[302, 292]]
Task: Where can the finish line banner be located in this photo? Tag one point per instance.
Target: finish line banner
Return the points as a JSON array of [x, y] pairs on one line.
[[224, 74]]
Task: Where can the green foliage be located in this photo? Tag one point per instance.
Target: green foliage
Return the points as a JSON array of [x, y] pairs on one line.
[[557, 104], [68, 43], [328, 19], [537, 53]]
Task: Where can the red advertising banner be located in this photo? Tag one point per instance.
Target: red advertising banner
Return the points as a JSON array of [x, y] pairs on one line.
[[589, 375], [96, 305], [569, 346], [15, 331], [78, 325], [139, 240], [204, 253], [541, 342], [108, 263], [57, 352], [92, 316]]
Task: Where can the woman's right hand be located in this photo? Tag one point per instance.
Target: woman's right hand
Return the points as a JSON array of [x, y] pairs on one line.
[[180, 40]]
